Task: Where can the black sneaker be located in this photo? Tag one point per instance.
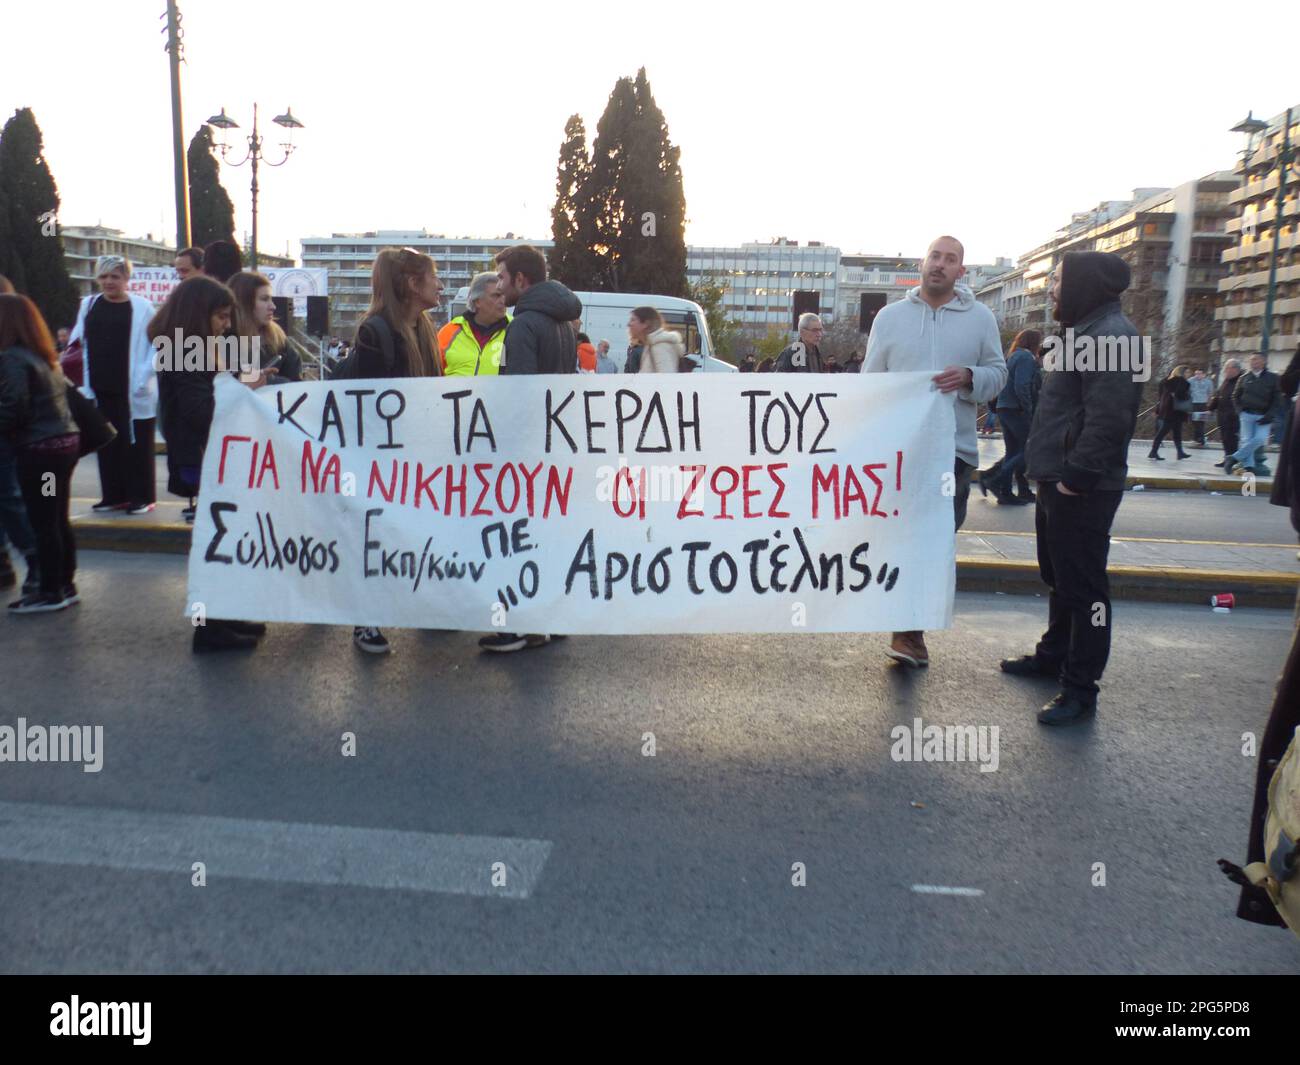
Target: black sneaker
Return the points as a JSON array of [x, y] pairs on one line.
[[103, 507], [1068, 708], [1030, 666], [217, 636], [71, 597], [37, 604], [371, 640], [188, 514], [513, 641]]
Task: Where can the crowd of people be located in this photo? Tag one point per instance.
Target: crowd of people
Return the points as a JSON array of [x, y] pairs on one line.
[[1066, 431]]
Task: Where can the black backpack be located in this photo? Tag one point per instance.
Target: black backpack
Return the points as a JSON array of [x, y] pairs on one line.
[[348, 369]]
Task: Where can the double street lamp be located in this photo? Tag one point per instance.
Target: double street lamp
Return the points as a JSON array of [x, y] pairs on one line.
[[254, 155]]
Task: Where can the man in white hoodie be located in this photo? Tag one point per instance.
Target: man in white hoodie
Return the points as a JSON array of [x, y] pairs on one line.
[[940, 326]]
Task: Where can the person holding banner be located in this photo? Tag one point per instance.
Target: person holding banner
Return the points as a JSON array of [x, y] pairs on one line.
[[204, 308], [396, 338], [119, 376], [255, 318], [942, 322], [540, 340]]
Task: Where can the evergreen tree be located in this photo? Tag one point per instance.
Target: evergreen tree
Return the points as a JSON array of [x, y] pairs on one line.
[[635, 209], [31, 250], [571, 260], [212, 215]]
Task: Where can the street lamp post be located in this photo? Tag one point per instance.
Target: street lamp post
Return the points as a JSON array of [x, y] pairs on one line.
[[1252, 127], [254, 155]]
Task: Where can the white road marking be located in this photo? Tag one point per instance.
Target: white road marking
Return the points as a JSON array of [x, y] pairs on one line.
[[282, 851], [938, 889]]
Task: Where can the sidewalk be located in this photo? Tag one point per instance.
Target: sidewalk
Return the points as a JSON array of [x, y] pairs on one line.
[[1198, 471], [1148, 568]]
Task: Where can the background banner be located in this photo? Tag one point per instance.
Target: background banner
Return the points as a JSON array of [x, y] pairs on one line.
[[563, 504]]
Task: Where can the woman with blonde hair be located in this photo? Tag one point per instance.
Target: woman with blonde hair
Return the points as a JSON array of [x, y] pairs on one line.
[[662, 349], [396, 338], [255, 318], [1172, 408]]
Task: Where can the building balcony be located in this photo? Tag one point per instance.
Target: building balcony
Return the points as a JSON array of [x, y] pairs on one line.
[[1252, 189], [1281, 346], [1290, 209], [1261, 247]]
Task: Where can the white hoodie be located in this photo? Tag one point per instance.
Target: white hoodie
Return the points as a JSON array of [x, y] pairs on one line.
[[911, 335]]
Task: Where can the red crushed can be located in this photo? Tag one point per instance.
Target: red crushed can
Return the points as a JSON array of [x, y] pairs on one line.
[[1224, 599]]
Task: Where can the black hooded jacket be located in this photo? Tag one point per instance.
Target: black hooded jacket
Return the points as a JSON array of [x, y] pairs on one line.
[[1085, 415], [539, 338]]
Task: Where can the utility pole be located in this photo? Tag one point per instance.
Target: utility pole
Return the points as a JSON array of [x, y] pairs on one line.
[[182, 177]]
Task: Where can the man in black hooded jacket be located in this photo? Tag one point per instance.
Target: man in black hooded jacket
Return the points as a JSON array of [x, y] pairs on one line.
[[1078, 454]]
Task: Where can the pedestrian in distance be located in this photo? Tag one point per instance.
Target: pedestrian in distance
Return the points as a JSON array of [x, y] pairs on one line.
[[540, 340], [1224, 407], [662, 349], [1173, 405], [1078, 454], [222, 260], [1258, 397], [37, 427], [939, 322], [470, 345], [604, 364], [188, 262], [804, 355], [748, 364], [13, 512], [1202, 389], [119, 375], [1015, 410], [586, 350]]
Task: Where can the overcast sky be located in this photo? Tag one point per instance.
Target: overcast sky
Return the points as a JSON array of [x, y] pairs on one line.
[[869, 127]]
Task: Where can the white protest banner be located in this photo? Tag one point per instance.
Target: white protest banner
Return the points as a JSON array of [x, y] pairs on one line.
[[566, 504]]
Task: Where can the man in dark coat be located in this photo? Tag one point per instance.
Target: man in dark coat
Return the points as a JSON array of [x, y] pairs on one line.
[[540, 338], [1078, 454]]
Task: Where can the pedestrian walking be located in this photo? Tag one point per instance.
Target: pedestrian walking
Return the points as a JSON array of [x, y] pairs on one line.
[[939, 322], [119, 375], [37, 428], [470, 345], [1258, 397], [1225, 409], [1015, 409], [1078, 454], [540, 340], [662, 349], [1173, 405]]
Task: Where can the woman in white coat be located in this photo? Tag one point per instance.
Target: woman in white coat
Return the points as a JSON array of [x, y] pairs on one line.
[[121, 378], [662, 349]]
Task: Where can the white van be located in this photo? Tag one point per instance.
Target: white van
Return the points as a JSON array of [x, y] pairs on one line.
[[604, 317]]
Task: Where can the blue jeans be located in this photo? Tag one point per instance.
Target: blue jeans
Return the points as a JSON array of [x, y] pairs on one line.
[[1253, 435], [13, 512]]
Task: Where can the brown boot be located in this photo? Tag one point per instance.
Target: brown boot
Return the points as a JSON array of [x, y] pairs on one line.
[[909, 648]]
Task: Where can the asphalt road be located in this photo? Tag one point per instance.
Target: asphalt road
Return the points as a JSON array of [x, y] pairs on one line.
[[769, 751], [1166, 514]]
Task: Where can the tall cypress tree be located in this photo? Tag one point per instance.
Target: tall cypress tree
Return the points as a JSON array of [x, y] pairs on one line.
[[31, 250], [653, 245], [212, 215], [570, 260], [635, 209]]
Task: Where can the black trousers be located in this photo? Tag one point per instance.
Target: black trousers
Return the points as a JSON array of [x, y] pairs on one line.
[[1015, 435], [1073, 544], [126, 469], [1174, 424], [56, 550], [1230, 434]]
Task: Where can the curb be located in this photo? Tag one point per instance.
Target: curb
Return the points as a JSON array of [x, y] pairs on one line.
[[1255, 588]]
